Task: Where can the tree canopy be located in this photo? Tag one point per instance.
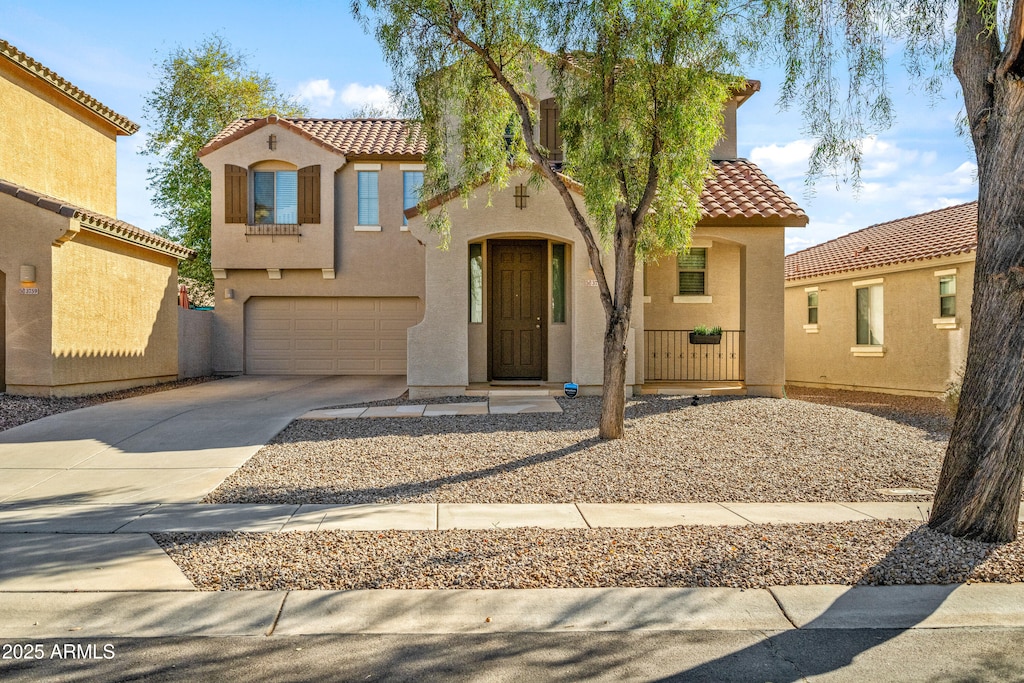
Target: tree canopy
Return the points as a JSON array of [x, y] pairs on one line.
[[200, 91]]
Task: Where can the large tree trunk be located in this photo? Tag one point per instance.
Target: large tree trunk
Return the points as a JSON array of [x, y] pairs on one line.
[[978, 494]]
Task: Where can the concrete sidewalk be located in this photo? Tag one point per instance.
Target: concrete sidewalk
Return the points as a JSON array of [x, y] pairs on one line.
[[156, 518], [288, 613], [166, 447]]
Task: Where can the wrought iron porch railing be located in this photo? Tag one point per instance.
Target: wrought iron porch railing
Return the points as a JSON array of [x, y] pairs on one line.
[[670, 357]]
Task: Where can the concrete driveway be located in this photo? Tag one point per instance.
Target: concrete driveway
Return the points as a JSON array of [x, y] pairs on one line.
[[167, 447]]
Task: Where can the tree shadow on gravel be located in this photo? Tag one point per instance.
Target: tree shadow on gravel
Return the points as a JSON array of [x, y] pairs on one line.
[[834, 625], [403, 490]]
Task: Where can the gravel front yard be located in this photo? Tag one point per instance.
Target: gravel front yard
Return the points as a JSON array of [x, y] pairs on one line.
[[17, 410], [741, 450], [871, 553]]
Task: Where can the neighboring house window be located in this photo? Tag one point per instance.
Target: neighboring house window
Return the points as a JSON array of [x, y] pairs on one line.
[[368, 198], [275, 197], [812, 308], [558, 283], [869, 316], [550, 135], [412, 182], [692, 272], [947, 296], [476, 283]]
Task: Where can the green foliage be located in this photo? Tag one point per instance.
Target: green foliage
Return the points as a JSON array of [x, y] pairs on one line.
[[640, 85], [200, 91], [707, 331]]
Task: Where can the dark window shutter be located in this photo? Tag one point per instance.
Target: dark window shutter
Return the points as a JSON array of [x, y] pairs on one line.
[[236, 185], [549, 135], [309, 194]]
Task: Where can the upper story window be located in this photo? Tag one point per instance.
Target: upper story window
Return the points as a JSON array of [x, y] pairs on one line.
[[369, 198], [271, 195], [692, 268], [412, 184], [812, 308], [869, 315], [275, 197], [947, 296], [550, 137]]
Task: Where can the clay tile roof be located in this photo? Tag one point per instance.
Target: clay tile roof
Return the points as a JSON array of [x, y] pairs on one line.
[[97, 222], [945, 232], [350, 137], [741, 192], [22, 60]]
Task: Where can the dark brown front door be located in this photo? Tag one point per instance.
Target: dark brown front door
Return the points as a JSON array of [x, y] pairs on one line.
[[517, 315]]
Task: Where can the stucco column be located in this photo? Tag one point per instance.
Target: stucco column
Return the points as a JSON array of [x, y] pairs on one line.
[[438, 362], [762, 313]]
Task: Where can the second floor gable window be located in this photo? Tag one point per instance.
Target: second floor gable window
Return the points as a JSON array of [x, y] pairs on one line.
[[275, 197], [412, 183]]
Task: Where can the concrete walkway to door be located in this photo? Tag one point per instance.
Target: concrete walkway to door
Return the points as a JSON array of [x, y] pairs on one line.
[[167, 447]]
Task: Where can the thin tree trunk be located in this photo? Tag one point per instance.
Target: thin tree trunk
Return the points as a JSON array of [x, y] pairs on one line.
[[613, 396], [978, 495]]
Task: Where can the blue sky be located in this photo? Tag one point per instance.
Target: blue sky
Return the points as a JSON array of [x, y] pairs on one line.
[[316, 51]]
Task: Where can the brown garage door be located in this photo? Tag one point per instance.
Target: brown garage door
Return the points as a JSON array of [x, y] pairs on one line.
[[328, 336]]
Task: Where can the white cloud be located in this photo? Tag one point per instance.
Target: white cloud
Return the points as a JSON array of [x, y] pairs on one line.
[[356, 96], [318, 92], [783, 162]]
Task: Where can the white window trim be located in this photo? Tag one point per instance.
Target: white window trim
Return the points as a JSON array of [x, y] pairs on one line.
[[946, 323], [810, 289], [867, 283], [367, 228], [811, 329], [412, 167], [868, 351], [647, 299], [366, 167], [943, 273], [692, 299]]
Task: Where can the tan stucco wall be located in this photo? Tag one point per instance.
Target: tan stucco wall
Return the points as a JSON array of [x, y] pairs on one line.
[[26, 234], [232, 248], [55, 146], [105, 315], [443, 360], [115, 315], [919, 358]]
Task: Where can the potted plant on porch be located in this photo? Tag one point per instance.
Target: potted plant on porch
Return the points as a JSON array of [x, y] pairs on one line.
[[702, 334]]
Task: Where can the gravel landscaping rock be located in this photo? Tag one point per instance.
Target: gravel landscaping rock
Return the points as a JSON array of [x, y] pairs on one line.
[[867, 553], [17, 410], [724, 449]]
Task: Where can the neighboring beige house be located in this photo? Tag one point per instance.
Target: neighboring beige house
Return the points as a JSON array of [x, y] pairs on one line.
[[323, 264], [87, 302], [886, 308]]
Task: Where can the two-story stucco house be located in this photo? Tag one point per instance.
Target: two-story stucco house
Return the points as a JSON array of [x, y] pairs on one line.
[[87, 302], [324, 264], [886, 308]]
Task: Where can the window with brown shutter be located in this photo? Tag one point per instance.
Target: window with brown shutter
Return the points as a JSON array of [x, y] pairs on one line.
[[549, 135], [236, 196], [309, 194]]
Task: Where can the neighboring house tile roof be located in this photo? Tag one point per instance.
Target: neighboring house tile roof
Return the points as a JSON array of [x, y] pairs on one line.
[[945, 232], [97, 222], [350, 137], [739, 193], [22, 60]]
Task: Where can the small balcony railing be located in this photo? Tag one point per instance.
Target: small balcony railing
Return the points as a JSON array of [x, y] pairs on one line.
[[670, 357]]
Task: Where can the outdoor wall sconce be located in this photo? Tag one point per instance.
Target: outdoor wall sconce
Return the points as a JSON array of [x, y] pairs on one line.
[[272, 141], [229, 293], [28, 276], [521, 196]]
